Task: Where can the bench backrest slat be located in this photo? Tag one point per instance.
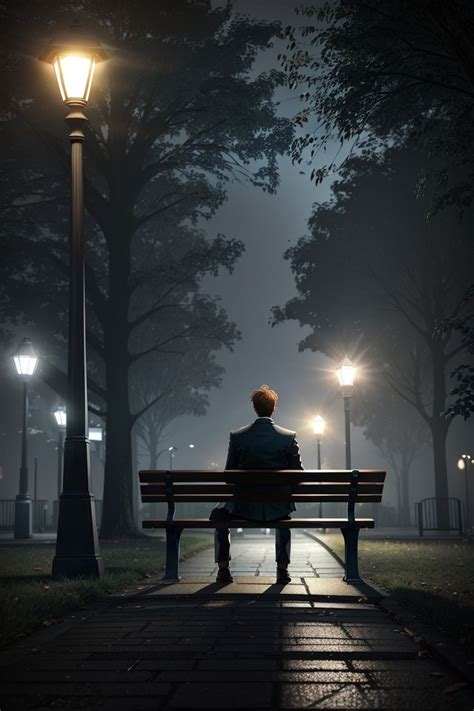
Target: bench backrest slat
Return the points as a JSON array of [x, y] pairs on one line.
[[296, 498], [261, 476]]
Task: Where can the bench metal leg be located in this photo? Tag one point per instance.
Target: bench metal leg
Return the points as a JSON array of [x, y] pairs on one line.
[[173, 534], [351, 540]]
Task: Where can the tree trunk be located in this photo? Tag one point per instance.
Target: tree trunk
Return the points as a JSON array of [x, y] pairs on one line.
[[117, 515], [399, 499], [439, 433], [405, 500], [153, 447], [439, 430]]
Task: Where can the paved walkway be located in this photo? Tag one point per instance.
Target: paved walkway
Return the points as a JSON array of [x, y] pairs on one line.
[[172, 649], [254, 554]]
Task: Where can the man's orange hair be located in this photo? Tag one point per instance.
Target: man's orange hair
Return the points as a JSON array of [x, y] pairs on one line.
[[264, 401]]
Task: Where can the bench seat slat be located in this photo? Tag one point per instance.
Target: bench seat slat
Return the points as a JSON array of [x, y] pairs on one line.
[[185, 488], [235, 523], [259, 477]]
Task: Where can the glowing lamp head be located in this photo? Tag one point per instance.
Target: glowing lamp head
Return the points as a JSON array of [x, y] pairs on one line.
[[319, 425], [74, 56], [346, 373], [95, 434], [60, 416], [461, 464], [25, 359]]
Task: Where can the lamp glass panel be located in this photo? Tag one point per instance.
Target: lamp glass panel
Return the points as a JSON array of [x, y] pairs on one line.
[[25, 364], [74, 74], [318, 425], [346, 374], [95, 434], [60, 415]]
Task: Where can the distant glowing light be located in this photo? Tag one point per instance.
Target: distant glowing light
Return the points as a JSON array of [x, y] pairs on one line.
[[60, 416], [319, 425]]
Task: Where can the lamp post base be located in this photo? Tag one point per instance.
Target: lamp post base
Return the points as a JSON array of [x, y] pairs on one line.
[[77, 566], [77, 543], [23, 517]]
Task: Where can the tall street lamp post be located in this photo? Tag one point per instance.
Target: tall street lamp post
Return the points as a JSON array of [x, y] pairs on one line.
[[74, 57], [346, 374], [319, 425], [464, 465], [25, 360], [60, 417]]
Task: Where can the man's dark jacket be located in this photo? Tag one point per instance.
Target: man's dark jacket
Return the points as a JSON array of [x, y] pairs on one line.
[[262, 445]]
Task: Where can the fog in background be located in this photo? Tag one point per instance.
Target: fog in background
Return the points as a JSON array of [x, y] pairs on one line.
[[305, 381]]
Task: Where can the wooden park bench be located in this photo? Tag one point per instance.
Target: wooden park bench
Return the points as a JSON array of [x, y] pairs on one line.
[[310, 486]]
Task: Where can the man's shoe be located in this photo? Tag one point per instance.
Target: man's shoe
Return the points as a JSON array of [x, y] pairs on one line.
[[282, 576], [224, 576]]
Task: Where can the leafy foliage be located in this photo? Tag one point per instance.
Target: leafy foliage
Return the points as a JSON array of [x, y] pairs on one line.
[[375, 73]]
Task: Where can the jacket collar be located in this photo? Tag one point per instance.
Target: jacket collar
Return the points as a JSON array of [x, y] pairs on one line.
[[264, 419]]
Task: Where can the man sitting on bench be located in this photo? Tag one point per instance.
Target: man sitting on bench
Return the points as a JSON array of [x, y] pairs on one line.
[[261, 445]]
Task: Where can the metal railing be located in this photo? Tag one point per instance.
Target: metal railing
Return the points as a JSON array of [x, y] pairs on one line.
[[39, 513], [427, 515], [7, 513]]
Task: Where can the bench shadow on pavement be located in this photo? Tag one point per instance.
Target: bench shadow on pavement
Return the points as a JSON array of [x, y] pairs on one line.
[[326, 589]]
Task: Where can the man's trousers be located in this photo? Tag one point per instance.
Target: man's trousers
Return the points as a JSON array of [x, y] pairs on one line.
[[282, 544]]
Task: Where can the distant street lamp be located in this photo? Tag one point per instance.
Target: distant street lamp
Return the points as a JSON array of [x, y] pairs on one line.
[[464, 465], [319, 426], [171, 450], [25, 360], [74, 57], [346, 374], [60, 417]]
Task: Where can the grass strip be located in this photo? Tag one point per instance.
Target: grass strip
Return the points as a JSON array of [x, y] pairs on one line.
[[30, 599], [434, 579]]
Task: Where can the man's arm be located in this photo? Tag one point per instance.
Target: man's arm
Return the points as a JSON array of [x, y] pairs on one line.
[[294, 459], [231, 455]]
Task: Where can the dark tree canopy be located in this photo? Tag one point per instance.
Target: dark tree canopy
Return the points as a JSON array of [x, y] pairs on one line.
[[169, 127], [377, 72]]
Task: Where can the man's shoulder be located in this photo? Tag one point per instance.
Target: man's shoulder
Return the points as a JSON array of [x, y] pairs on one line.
[[280, 430], [284, 431], [240, 431]]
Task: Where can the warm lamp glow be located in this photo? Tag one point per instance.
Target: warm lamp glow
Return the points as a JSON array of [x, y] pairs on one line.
[[74, 55], [74, 74], [60, 416], [461, 464], [319, 425], [25, 358], [346, 373]]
